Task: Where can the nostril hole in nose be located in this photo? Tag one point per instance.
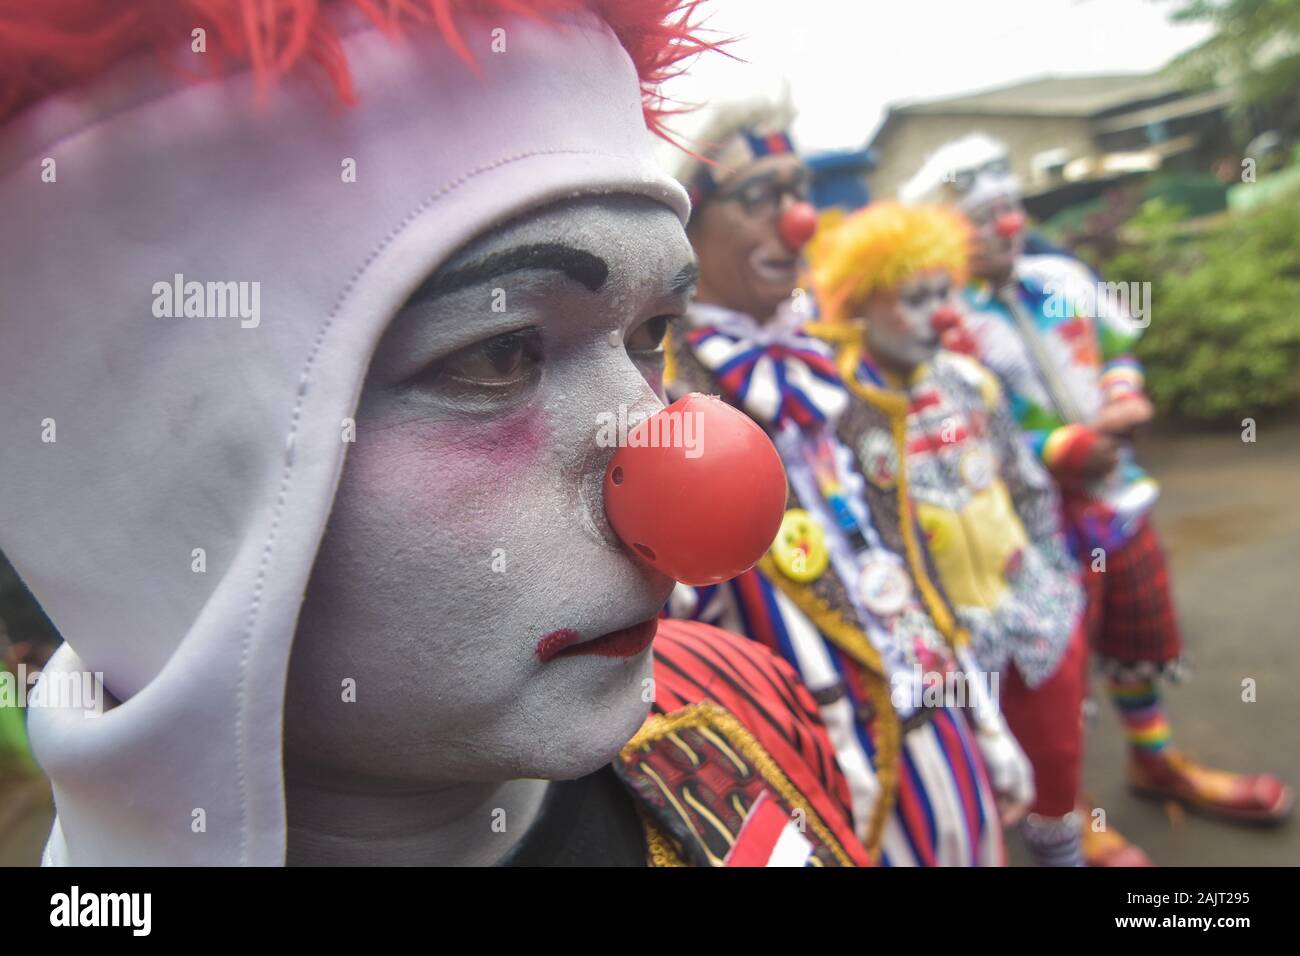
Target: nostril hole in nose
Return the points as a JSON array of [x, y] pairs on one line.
[[646, 553], [617, 478]]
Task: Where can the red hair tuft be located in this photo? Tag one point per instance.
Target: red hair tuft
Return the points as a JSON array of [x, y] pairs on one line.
[[47, 46]]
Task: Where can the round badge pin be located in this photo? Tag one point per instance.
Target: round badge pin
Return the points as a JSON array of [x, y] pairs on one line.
[[799, 550], [977, 469], [879, 459], [884, 584]]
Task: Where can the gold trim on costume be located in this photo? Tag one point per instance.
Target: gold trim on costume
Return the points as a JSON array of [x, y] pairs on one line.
[[721, 744], [681, 811], [685, 748], [708, 715], [662, 850], [889, 755], [709, 817], [829, 621]]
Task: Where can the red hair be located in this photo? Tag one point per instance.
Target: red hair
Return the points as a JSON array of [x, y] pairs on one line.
[[50, 45]]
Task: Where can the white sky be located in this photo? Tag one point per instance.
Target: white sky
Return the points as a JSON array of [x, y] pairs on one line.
[[846, 60]]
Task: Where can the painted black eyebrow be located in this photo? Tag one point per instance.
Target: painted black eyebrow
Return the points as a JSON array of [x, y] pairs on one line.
[[686, 279], [589, 271]]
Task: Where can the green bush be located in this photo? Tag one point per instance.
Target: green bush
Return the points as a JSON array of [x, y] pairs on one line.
[[1224, 338]]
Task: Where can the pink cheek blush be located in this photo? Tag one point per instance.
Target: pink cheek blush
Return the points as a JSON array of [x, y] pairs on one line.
[[512, 443], [451, 463]]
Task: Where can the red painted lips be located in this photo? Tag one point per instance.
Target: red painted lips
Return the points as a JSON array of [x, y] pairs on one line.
[[625, 642]]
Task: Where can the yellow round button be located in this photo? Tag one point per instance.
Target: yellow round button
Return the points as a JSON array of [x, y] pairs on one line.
[[799, 550]]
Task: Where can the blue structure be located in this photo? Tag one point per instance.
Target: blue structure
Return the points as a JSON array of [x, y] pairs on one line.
[[840, 178]]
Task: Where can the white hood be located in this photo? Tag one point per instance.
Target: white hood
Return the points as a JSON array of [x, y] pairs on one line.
[[180, 433]]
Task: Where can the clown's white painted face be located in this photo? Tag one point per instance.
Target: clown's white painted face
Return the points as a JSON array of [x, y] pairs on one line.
[[468, 541], [900, 327], [997, 238]]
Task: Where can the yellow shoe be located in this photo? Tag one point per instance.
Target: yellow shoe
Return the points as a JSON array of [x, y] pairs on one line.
[[1246, 797], [1108, 847]]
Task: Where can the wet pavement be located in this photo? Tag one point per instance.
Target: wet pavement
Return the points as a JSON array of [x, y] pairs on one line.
[[1230, 518]]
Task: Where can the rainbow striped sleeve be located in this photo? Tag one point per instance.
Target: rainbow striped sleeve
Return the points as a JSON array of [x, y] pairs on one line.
[[1066, 448], [1120, 377]]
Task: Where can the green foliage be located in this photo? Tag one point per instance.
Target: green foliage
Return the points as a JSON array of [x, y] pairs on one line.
[[1224, 339], [1255, 47]]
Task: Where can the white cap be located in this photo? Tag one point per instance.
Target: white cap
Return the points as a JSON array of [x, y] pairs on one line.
[[966, 172]]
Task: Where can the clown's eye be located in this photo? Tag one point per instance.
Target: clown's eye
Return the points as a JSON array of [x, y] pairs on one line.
[[915, 298], [648, 337], [498, 362]]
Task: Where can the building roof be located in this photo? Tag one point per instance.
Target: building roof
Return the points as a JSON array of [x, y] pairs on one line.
[[1074, 96], [1053, 96]]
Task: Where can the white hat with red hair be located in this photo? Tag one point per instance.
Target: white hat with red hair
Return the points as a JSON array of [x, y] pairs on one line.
[[131, 161]]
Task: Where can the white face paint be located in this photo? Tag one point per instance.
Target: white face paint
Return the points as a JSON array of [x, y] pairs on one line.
[[468, 523], [900, 333]]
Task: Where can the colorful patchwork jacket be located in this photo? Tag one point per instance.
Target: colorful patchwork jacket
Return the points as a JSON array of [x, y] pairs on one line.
[[1061, 346], [989, 510], [918, 788]]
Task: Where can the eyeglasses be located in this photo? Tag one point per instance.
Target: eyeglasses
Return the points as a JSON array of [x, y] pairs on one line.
[[963, 179], [986, 215], [762, 195]]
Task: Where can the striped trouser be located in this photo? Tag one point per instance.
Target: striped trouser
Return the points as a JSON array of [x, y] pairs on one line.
[[943, 811]]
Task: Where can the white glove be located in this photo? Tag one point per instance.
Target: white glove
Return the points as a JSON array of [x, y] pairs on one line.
[[1009, 771]]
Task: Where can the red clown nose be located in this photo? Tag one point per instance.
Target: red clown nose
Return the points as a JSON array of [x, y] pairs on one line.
[[698, 491], [943, 318], [797, 225], [1010, 223], [952, 331]]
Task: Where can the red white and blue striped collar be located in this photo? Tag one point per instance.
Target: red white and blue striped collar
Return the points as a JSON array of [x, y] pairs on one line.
[[773, 371]]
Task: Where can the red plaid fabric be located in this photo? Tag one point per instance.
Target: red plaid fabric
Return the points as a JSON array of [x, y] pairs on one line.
[[1131, 616]]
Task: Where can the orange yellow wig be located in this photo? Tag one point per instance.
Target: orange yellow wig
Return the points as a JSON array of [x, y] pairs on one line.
[[881, 247]]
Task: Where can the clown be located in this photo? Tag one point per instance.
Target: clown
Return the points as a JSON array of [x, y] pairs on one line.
[[887, 279], [846, 593], [347, 572], [1062, 349]]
